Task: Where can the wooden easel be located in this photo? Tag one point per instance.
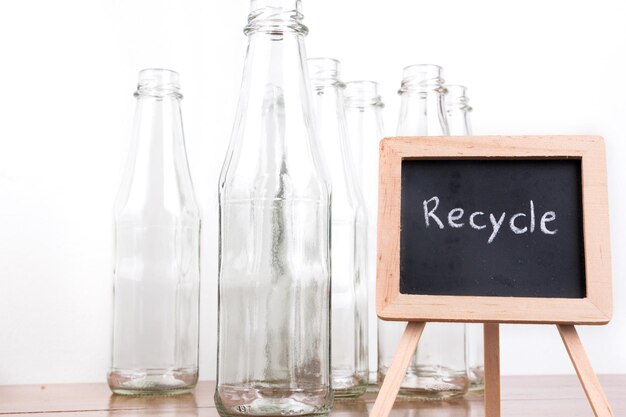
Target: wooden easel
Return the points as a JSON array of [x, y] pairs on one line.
[[413, 332]]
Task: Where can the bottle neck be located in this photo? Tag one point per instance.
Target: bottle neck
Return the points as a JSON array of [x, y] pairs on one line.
[[156, 182], [422, 113], [333, 139], [459, 120], [158, 121], [273, 137], [157, 163], [365, 130]]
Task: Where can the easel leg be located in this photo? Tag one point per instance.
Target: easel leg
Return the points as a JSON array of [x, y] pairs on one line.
[[587, 377], [492, 369], [395, 374]]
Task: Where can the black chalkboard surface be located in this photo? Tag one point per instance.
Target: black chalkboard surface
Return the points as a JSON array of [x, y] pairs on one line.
[[492, 227]]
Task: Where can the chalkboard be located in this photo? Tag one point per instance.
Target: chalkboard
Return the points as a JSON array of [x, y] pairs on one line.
[[497, 229], [509, 228]]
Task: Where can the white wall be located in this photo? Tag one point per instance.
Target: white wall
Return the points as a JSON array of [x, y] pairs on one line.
[[68, 70]]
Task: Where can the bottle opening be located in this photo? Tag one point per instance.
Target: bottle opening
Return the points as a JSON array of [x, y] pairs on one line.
[[362, 93], [275, 17], [324, 72], [158, 82], [422, 78]]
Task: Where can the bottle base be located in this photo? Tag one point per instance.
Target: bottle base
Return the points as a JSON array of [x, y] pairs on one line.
[[146, 382], [349, 386], [432, 385], [477, 387], [430, 394], [271, 401], [373, 387], [477, 379]]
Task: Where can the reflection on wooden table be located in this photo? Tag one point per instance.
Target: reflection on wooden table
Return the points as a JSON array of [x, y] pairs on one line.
[[541, 396]]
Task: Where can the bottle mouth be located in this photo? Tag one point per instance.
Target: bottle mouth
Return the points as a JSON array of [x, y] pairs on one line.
[[324, 72], [275, 17], [158, 82], [422, 78], [362, 93]]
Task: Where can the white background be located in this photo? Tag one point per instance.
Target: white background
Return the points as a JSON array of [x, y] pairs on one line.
[[68, 70]]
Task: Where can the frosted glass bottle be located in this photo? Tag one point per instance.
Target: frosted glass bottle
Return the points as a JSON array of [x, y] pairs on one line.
[[438, 369], [274, 239], [365, 130], [349, 358], [458, 113], [157, 231]]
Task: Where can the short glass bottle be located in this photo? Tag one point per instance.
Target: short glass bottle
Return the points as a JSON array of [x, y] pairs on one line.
[[438, 369], [349, 358], [458, 112], [157, 265], [274, 233], [365, 130]]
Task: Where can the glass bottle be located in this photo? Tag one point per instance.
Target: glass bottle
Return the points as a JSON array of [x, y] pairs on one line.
[[349, 359], [365, 130], [274, 241], [438, 368], [157, 266], [458, 112]]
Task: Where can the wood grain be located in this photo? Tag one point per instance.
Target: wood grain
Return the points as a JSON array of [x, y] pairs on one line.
[[522, 396], [492, 369], [397, 370], [585, 372], [596, 308]]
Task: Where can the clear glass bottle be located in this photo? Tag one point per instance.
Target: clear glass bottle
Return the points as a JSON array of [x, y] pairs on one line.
[[274, 241], [365, 130], [438, 369], [458, 112], [349, 358], [157, 266]]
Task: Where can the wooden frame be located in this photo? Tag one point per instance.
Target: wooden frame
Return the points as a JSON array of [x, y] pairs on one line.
[[596, 308]]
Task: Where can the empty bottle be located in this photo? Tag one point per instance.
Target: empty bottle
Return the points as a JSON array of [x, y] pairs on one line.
[[458, 112], [365, 130], [438, 368], [274, 240], [157, 235], [349, 357]]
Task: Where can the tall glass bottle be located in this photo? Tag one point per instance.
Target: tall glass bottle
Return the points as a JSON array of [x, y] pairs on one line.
[[157, 235], [274, 253], [438, 369], [458, 112], [365, 130], [349, 359]]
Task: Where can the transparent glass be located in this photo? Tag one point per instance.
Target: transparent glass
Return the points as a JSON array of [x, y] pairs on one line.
[[274, 240], [438, 368], [349, 358], [458, 111], [365, 130], [157, 266]]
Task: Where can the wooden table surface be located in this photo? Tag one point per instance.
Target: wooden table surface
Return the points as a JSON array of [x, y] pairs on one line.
[[541, 396]]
